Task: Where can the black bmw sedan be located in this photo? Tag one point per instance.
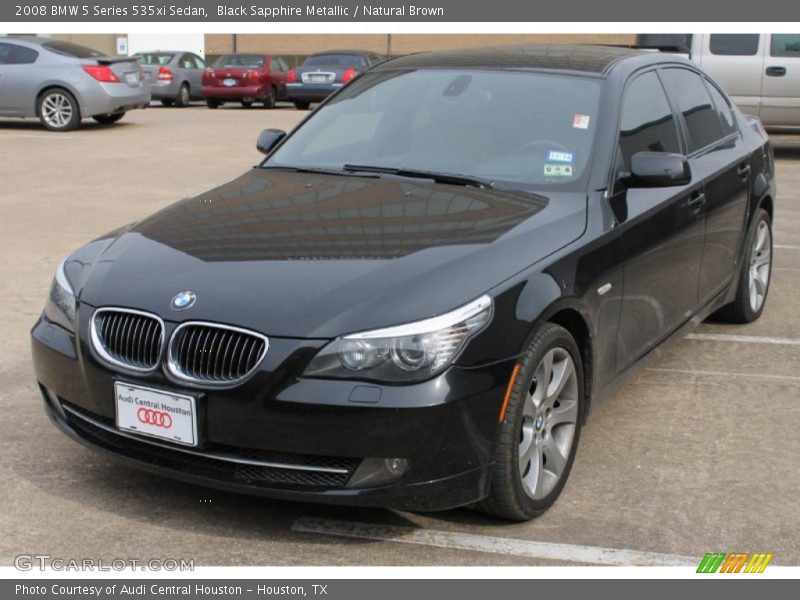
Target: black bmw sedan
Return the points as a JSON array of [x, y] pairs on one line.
[[418, 297]]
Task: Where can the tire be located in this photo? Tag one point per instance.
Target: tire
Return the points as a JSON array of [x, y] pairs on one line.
[[269, 101], [533, 434], [299, 105], [754, 274], [58, 110], [247, 103], [167, 101], [183, 97], [108, 119], [211, 103]]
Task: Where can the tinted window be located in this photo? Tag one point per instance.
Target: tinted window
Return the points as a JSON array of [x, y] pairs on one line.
[[240, 60], [694, 102], [155, 58], [785, 44], [17, 55], [334, 60], [6, 50], [73, 50], [647, 122], [734, 44], [681, 42], [723, 109]]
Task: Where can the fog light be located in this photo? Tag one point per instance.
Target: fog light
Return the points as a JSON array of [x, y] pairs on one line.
[[377, 471], [396, 466]]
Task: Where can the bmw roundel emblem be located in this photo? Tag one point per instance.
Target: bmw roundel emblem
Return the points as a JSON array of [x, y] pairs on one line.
[[183, 300]]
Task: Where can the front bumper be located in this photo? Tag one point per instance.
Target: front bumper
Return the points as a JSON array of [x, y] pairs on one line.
[[444, 428]]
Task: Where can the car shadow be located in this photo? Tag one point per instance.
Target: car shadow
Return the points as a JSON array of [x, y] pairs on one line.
[[33, 125]]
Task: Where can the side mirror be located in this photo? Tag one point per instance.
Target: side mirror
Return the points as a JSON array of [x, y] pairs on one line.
[[268, 139], [658, 169]]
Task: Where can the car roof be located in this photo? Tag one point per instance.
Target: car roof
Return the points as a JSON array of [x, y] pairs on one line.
[[342, 51], [559, 57], [28, 39]]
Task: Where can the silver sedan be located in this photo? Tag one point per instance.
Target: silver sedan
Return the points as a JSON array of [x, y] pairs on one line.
[[61, 83], [175, 76]]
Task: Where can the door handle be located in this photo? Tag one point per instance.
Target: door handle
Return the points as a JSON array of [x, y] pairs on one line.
[[776, 71], [743, 170], [696, 200]]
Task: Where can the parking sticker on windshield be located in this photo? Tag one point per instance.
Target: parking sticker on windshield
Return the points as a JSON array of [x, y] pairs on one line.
[[580, 121], [559, 156], [557, 170]]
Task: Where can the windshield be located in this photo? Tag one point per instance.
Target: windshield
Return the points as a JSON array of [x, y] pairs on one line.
[[154, 58], [527, 130], [240, 60], [334, 60]]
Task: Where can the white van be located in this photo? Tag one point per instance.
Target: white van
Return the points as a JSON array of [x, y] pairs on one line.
[[761, 72]]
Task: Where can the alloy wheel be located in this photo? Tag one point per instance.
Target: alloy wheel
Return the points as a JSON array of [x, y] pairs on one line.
[[549, 422], [57, 110], [760, 266]]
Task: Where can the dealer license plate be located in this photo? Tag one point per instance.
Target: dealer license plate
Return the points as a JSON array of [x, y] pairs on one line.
[[132, 78], [156, 413], [229, 82]]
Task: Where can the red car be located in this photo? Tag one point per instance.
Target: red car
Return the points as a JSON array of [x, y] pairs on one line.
[[245, 78]]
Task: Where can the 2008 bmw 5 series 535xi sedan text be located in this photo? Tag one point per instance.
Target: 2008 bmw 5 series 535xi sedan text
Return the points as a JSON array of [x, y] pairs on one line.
[[417, 297]]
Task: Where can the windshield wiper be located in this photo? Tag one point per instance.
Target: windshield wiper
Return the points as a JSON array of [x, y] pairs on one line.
[[450, 178], [305, 169]]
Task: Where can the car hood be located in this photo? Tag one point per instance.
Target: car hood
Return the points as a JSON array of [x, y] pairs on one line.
[[317, 256]]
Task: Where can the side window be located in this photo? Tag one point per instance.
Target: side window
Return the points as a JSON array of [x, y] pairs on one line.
[[274, 65], [199, 62], [647, 122], [724, 111], [785, 44], [734, 44], [17, 55], [699, 113], [5, 53], [284, 65], [187, 62]]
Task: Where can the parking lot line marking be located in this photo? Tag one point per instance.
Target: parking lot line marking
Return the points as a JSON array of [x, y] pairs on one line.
[[491, 544], [725, 374], [744, 339]]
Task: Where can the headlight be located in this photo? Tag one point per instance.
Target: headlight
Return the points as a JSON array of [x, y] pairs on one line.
[[404, 353], [61, 304]]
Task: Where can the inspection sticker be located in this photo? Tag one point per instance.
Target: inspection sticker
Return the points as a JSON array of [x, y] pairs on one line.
[[558, 170], [559, 156], [580, 121]]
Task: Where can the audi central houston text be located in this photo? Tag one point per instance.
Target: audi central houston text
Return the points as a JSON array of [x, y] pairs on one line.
[[422, 292]]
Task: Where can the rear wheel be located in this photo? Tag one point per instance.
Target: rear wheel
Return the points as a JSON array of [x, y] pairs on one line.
[[269, 101], [540, 432], [182, 99], [167, 101], [58, 110], [109, 118], [754, 274], [212, 103], [299, 105]]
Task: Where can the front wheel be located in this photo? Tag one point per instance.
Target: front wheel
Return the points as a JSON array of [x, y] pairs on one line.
[[541, 428], [754, 274], [58, 110], [109, 118]]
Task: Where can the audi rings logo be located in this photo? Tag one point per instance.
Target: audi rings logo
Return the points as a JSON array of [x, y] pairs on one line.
[[158, 418]]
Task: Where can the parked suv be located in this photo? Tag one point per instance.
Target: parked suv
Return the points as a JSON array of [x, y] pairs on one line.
[[761, 72], [60, 83], [245, 78]]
